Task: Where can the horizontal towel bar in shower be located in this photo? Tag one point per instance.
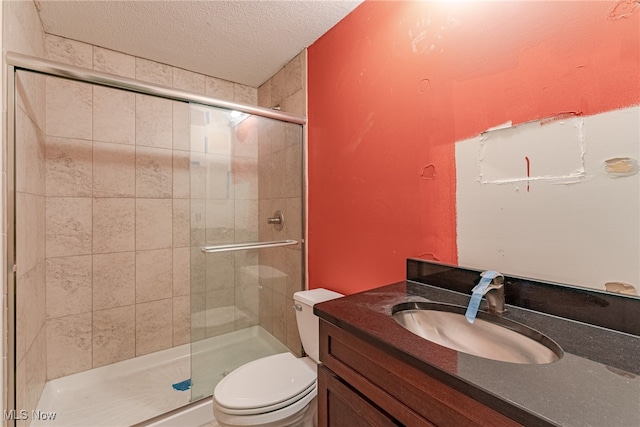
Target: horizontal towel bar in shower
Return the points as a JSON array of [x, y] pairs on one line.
[[247, 246]]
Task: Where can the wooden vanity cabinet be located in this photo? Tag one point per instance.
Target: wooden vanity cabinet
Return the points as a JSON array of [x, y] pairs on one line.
[[361, 385]]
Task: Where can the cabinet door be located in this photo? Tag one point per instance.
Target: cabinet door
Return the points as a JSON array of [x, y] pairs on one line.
[[341, 406]]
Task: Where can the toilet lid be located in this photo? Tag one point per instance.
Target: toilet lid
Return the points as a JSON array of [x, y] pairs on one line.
[[265, 382]]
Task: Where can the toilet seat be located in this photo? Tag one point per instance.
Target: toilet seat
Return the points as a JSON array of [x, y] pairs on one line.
[[284, 380]]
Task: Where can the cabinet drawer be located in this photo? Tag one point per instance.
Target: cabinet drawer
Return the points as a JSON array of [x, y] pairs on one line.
[[340, 405], [404, 392]]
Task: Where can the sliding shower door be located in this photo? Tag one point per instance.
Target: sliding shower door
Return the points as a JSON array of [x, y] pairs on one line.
[[246, 175]]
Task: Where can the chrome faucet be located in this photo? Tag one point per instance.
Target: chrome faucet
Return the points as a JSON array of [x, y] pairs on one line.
[[494, 294]]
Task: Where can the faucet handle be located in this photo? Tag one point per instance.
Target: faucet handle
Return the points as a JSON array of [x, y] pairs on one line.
[[497, 279]]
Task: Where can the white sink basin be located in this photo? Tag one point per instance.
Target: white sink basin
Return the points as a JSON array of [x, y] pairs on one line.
[[490, 336]]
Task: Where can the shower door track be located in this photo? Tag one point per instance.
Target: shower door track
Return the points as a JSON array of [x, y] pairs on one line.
[[15, 62], [43, 66]]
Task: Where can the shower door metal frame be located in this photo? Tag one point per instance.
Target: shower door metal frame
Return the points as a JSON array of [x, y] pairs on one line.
[[16, 62]]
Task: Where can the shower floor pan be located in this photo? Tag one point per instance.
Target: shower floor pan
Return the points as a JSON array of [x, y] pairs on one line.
[[138, 389]]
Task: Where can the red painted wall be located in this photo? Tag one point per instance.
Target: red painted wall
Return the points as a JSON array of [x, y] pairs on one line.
[[395, 84]]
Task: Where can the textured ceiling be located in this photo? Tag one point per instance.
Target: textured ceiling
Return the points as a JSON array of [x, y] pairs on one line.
[[242, 41]]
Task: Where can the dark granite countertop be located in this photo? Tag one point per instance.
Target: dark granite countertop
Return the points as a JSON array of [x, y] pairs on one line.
[[595, 383]]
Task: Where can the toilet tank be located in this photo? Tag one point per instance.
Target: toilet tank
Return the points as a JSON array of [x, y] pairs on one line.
[[308, 326]]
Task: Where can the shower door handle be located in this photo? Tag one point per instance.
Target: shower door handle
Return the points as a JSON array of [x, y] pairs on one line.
[[247, 246]]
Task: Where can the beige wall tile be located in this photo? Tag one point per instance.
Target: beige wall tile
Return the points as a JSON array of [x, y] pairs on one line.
[[220, 269], [181, 272], [30, 307], [22, 21], [36, 370], [69, 167], [278, 87], [30, 151], [264, 95], [219, 89], [114, 280], [266, 308], [181, 173], [246, 300], [294, 75], [279, 328], [197, 132], [113, 62], [247, 268], [154, 72], [21, 386], [68, 51], [154, 117], [277, 134], [154, 276], [293, 172], [181, 320], [219, 139], [113, 335], [245, 178], [114, 115], [266, 231], [293, 135], [114, 225], [198, 214], [274, 274], [220, 221], [220, 312], [181, 230], [245, 94], [154, 172], [69, 108], [30, 244], [294, 263], [68, 345], [21, 238], [154, 326], [296, 103], [197, 271], [30, 96], [154, 223], [188, 80], [293, 226], [198, 176], [246, 220], [198, 307], [245, 138], [278, 174], [114, 170], [68, 226], [181, 126], [68, 284]]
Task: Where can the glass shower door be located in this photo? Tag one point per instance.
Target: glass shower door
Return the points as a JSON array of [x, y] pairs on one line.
[[246, 240]]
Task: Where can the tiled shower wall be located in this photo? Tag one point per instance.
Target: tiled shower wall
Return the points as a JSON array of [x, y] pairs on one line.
[[95, 274], [280, 169], [118, 210]]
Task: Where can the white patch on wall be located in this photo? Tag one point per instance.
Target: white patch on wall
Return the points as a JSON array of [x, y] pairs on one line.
[[506, 154], [556, 200]]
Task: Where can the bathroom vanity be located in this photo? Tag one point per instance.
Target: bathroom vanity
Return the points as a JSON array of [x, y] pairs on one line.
[[374, 372]]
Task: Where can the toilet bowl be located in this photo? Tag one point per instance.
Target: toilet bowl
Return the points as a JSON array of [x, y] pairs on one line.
[[278, 390]]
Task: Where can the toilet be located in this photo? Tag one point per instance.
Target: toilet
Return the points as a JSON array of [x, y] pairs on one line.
[[278, 390]]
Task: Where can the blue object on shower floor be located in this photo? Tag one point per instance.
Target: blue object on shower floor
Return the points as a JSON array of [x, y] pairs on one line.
[[182, 385]]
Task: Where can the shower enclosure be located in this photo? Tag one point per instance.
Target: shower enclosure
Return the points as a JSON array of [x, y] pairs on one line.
[[157, 239]]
